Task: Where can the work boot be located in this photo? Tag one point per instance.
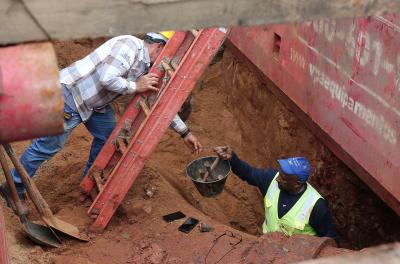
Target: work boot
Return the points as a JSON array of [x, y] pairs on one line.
[[6, 194]]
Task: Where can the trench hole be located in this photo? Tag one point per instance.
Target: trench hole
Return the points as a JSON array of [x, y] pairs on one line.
[[234, 107]]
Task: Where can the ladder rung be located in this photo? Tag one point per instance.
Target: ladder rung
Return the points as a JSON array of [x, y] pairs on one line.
[[99, 181], [174, 65], [167, 68], [144, 106], [120, 144]]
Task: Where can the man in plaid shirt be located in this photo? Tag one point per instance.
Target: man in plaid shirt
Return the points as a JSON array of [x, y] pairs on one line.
[[118, 67]]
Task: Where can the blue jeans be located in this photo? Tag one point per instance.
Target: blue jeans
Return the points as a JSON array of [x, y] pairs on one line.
[[100, 125]]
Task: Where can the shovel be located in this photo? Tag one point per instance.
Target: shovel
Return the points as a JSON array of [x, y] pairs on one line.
[[210, 169], [38, 233], [43, 208]]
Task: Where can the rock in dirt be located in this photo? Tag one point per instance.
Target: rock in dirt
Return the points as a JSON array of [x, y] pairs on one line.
[[149, 191], [147, 208]]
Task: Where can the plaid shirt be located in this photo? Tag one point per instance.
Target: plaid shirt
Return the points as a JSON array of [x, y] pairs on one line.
[[108, 72]]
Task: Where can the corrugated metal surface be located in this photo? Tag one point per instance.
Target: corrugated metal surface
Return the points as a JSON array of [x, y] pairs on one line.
[[345, 75]]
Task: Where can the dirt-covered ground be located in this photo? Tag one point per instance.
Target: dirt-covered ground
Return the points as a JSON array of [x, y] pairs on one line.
[[230, 107]]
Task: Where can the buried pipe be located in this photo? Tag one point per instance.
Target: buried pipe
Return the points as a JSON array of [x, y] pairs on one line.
[[31, 103]]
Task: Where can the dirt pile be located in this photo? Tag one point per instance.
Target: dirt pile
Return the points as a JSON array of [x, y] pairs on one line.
[[230, 107]]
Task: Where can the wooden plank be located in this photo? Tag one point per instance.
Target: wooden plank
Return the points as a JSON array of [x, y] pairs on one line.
[[38, 19], [4, 258]]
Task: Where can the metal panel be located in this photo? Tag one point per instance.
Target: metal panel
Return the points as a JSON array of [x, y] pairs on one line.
[[31, 102], [33, 20], [345, 75]]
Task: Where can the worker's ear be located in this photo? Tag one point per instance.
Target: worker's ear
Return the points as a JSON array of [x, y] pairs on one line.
[[155, 50], [160, 47]]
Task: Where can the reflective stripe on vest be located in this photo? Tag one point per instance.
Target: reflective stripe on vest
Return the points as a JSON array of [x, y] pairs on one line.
[[295, 221], [274, 187], [307, 208]]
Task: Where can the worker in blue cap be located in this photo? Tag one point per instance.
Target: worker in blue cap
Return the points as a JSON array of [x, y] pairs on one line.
[[292, 205]]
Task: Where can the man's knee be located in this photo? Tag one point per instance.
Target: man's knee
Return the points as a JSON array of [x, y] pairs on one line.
[[109, 131], [105, 134], [99, 141], [47, 145]]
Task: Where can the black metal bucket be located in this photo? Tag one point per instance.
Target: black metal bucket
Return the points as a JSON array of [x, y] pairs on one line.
[[210, 188]]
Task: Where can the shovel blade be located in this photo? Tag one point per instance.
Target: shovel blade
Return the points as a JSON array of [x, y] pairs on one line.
[[64, 227], [41, 235]]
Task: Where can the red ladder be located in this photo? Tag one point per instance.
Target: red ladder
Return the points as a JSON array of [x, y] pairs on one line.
[[179, 66]]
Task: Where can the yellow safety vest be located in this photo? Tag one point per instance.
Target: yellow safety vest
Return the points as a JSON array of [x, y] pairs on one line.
[[295, 221]]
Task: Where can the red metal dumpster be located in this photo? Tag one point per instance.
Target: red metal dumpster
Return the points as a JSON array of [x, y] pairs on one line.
[[345, 75]]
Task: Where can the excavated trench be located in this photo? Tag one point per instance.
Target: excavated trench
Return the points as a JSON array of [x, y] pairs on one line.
[[230, 106], [261, 130]]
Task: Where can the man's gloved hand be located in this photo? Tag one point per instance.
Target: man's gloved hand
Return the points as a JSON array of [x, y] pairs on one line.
[[224, 152], [193, 143], [147, 82]]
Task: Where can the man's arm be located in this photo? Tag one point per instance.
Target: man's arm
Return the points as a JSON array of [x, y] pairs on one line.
[[190, 140], [179, 126], [322, 221], [117, 64], [259, 177]]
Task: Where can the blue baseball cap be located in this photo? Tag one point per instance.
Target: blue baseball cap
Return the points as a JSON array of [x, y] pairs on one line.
[[298, 166]]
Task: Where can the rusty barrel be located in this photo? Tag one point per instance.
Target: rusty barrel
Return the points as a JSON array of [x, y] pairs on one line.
[[213, 187]]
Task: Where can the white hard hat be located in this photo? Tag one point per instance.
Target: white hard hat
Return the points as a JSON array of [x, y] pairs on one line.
[[156, 37]]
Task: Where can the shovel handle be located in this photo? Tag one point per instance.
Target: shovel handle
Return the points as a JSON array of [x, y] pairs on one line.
[[215, 163], [30, 186], [10, 183], [208, 172]]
